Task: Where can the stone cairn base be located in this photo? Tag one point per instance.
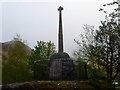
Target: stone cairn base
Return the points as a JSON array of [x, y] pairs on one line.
[[61, 67]]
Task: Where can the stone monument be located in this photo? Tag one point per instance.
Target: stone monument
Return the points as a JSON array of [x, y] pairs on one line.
[[61, 67]]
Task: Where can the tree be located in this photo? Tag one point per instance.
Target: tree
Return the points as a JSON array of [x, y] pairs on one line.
[[90, 51], [86, 40], [39, 59], [115, 12], [105, 52], [109, 34], [42, 51], [16, 69], [108, 39]]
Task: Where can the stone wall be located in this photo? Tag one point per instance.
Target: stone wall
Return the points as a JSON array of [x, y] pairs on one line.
[[61, 69], [55, 70]]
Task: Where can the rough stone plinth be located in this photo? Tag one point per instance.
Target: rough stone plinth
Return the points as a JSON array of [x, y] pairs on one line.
[[61, 67]]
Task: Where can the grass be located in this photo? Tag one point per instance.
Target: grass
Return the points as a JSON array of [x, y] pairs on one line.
[[86, 84]]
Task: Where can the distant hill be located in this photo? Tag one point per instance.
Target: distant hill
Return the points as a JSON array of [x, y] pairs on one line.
[[4, 47]]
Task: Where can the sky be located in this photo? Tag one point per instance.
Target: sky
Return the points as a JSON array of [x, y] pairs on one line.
[[36, 20]]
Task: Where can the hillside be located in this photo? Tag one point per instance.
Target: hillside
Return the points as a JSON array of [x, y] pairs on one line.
[[4, 47]]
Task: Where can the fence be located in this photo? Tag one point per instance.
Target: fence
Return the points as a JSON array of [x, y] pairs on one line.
[[60, 70]]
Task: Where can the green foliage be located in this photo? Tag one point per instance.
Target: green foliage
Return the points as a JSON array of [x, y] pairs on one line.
[[18, 51], [42, 51], [96, 73], [101, 84], [95, 83], [102, 52], [38, 60], [16, 69], [101, 49], [88, 50], [13, 72], [108, 38], [85, 43], [80, 71], [40, 70]]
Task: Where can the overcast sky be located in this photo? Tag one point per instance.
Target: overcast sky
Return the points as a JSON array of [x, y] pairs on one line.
[[38, 20]]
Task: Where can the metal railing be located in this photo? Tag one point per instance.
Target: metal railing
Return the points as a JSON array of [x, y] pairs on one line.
[[43, 70]]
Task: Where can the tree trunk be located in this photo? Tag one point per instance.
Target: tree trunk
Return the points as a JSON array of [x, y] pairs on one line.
[[111, 56], [107, 65]]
